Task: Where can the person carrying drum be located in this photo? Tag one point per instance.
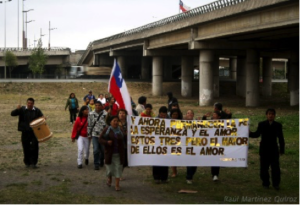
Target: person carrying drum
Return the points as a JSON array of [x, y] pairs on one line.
[[30, 143]]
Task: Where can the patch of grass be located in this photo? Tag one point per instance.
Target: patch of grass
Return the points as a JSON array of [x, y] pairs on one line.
[[37, 182]]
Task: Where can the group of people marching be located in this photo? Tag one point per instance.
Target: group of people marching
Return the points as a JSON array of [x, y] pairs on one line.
[[101, 122]]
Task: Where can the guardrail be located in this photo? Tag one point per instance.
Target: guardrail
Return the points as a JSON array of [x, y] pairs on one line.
[[31, 49], [191, 13]]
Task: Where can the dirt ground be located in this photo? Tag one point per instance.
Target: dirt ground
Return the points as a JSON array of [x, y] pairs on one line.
[[57, 159]]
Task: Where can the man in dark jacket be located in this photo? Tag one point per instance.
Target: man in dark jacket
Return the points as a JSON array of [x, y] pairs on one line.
[[29, 142], [269, 130]]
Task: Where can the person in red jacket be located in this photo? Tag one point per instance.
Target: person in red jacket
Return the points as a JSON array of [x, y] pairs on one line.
[[113, 107], [83, 142]]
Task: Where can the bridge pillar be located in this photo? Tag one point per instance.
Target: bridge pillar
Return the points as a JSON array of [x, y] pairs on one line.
[[216, 77], [122, 64], [167, 72], [241, 76], [145, 72], [232, 65], [157, 75], [267, 76], [206, 77], [294, 79], [187, 72], [252, 78]]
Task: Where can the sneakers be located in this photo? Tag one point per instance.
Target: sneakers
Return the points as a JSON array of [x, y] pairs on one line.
[[189, 181], [215, 178], [79, 166], [86, 162], [71, 123]]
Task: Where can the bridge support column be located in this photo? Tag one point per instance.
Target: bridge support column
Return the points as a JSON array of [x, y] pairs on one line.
[[167, 72], [122, 64], [157, 75], [216, 84], [187, 72], [252, 78], [241, 77], [206, 77], [294, 79], [267, 77], [232, 65], [146, 66]]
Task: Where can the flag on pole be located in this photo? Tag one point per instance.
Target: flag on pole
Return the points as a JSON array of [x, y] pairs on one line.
[[117, 87], [183, 7]]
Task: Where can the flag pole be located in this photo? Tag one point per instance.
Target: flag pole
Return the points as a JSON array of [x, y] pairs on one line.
[[179, 6]]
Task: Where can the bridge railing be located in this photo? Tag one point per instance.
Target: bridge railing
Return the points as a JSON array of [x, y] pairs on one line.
[[193, 12], [31, 49]]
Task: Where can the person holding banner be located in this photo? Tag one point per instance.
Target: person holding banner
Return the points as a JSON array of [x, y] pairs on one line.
[[269, 130], [190, 171], [113, 140], [217, 114], [160, 173], [175, 114]]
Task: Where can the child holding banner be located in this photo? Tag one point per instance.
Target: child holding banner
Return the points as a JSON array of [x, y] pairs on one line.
[[269, 130], [160, 173]]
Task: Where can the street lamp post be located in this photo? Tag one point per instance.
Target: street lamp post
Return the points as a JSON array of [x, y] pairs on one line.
[[26, 30], [41, 35], [4, 35], [25, 37], [49, 35]]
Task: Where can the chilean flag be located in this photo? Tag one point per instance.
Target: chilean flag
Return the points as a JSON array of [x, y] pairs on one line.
[[117, 87], [183, 7]]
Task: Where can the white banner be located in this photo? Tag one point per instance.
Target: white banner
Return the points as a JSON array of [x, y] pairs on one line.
[[168, 142]]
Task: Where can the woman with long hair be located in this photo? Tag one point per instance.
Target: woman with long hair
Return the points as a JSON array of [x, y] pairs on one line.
[[122, 115], [72, 103], [112, 139], [83, 142]]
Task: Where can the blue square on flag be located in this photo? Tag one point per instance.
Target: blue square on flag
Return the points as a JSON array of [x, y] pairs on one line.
[[118, 76]]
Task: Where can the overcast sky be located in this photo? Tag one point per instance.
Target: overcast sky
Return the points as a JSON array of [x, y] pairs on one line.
[[80, 22]]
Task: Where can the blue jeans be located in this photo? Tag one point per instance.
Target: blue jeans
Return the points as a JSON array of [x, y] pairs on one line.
[[98, 151]]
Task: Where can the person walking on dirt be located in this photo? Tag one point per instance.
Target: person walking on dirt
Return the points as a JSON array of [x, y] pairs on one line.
[[112, 138], [83, 141], [269, 130], [96, 124], [30, 143], [72, 103], [89, 96]]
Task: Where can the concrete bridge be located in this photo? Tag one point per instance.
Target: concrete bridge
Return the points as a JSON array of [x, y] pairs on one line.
[[56, 56], [249, 32]]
